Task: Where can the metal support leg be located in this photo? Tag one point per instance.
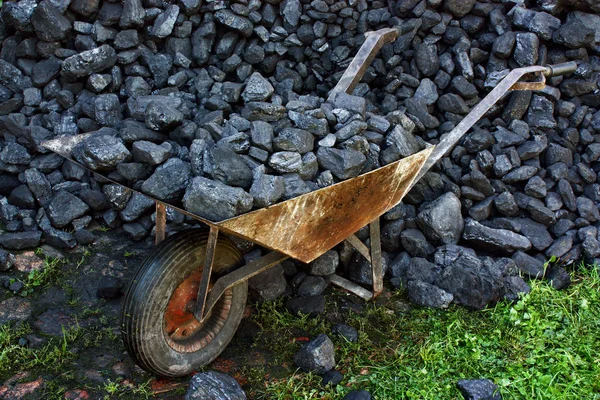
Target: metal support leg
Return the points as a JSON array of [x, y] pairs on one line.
[[373, 255], [161, 222], [240, 275], [376, 265], [211, 247]]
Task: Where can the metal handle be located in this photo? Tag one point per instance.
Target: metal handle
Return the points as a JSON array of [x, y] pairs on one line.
[[560, 69]]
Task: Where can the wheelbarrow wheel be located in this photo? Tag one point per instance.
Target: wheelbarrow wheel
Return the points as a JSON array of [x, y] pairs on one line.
[[158, 325]]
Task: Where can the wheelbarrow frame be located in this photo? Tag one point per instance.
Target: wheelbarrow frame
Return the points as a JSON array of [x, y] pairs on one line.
[[349, 205]]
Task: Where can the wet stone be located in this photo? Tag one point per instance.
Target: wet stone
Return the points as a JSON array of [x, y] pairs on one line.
[[316, 356], [479, 389], [347, 332], [214, 385], [216, 201]]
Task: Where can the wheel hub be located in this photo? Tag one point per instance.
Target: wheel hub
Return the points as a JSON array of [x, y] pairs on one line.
[[183, 332]]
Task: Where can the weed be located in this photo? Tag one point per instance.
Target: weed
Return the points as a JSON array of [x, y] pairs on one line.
[[51, 357], [42, 277], [129, 254], [103, 228]]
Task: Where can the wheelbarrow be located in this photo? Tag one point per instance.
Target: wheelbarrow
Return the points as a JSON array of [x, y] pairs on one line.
[[188, 296]]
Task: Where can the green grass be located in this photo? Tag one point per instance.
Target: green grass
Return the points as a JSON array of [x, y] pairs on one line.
[[546, 346], [52, 356]]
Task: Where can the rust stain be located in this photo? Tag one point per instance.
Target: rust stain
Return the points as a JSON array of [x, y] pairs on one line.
[[309, 225]]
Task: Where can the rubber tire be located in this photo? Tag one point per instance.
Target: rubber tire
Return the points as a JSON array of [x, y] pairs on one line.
[[148, 295]]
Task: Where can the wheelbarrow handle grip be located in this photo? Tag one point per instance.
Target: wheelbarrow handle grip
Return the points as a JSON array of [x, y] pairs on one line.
[[560, 69]]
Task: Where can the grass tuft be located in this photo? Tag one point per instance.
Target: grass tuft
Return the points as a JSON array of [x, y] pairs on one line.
[[543, 346]]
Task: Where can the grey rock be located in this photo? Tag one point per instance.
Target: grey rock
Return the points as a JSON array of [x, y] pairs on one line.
[[316, 126], [442, 220], [358, 395], [427, 59], [295, 140], [257, 88], [316, 356], [402, 142], [227, 166], [347, 332], [117, 195], [587, 209], [39, 185], [235, 22], [312, 305], [504, 45], [574, 35], [540, 23], [520, 174], [214, 385], [537, 233], [560, 247], [137, 205], [107, 109], [515, 287], [453, 103], [343, 164], [214, 200], [132, 15], [268, 285], [261, 135], [500, 240], [312, 286], [559, 278], [459, 8], [12, 77], [89, 62], [286, 162], [20, 240], [351, 129], [101, 152], [530, 266], [49, 24], [44, 71], [506, 205], [325, 265], [267, 189], [168, 181], [427, 295], [64, 208], [126, 39], [162, 117], [7, 260], [263, 111], [471, 284], [165, 22], [526, 49], [415, 243], [479, 389], [85, 7], [132, 131], [148, 152]]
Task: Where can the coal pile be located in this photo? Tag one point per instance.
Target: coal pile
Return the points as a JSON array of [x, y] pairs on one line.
[[219, 107]]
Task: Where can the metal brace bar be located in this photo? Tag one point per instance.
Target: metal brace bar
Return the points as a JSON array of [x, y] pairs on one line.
[[359, 246], [161, 222], [240, 275], [350, 286], [504, 86], [376, 265], [209, 258]]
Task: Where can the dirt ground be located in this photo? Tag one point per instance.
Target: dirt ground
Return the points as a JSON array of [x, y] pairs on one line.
[[63, 341]]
